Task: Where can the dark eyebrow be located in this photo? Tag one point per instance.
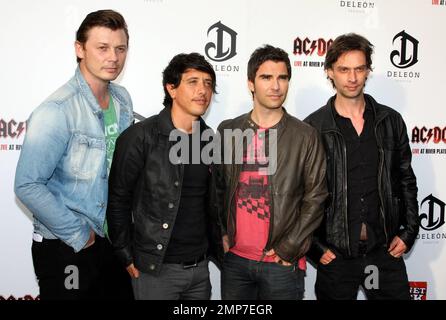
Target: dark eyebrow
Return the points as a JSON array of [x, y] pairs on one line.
[[107, 45], [344, 67], [198, 78]]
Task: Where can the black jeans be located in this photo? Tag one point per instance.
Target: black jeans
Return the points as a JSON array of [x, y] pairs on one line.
[[381, 276], [92, 273], [174, 283], [244, 279]]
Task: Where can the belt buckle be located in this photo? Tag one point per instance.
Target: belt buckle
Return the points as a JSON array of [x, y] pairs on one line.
[[190, 265]]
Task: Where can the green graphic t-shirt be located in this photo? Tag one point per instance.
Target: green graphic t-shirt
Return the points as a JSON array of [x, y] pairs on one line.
[[111, 131], [111, 134]]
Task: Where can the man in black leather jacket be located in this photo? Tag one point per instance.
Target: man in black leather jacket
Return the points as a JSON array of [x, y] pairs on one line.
[[371, 216], [160, 214]]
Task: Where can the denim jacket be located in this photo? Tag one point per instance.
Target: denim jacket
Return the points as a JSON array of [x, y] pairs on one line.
[[61, 175]]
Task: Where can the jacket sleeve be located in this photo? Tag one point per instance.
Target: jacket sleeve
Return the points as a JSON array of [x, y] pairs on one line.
[[318, 246], [215, 228], [128, 163], [46, 141], [312, 206], [409, 220]]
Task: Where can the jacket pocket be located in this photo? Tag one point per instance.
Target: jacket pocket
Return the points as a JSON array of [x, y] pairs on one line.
[[86, 156], [395, 214]]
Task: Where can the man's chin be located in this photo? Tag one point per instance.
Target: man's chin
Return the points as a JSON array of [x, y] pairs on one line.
[[275, 106], [352, 95], [110, 76], [200, 111]]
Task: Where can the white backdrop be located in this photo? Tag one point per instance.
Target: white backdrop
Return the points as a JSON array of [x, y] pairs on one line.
[[38, 57]]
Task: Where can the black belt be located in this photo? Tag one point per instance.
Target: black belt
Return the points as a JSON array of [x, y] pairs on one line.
[[191, 263]]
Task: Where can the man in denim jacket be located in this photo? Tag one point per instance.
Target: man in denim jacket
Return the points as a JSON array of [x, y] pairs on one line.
[[62, 173]]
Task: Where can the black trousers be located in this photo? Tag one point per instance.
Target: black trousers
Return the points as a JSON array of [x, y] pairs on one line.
[[92, 273], [382, 277]]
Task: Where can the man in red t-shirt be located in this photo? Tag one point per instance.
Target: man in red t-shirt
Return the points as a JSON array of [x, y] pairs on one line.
[[271, 199]]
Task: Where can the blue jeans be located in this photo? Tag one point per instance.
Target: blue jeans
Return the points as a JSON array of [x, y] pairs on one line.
[[244, 279]]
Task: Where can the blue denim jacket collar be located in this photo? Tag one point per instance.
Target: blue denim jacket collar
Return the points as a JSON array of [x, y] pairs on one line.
[[121, 105], [86, 92]]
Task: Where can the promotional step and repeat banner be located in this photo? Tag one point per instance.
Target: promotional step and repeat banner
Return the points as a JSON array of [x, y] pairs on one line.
[[408, 75]]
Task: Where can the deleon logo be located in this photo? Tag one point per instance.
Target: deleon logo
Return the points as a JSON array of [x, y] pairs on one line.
[[434, 218], [407, 54], [224, 46]]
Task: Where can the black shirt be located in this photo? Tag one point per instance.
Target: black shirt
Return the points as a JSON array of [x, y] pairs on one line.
[[189, 236], [362, 181]]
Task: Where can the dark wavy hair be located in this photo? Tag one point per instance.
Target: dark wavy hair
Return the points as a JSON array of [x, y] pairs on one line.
[[178, 65], [348, 42]]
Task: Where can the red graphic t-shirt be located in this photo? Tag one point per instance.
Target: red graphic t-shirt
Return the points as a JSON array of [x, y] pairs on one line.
[[253, 203]]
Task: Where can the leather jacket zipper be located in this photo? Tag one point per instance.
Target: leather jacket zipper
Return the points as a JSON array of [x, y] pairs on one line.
[[231, 219], [271, 216], [380, 172], [344, 184]]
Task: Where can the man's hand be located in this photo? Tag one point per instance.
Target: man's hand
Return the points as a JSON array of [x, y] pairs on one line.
[[277, 259], [225, 243], [133, 272], [327, 257], [91, 240], [397, 247]]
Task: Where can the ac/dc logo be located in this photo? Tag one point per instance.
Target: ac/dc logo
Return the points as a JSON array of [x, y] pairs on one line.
[[11, 128], [427, 135], [308, 47]]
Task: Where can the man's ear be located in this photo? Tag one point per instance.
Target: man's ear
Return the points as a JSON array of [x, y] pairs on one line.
[[172, 90], [79, 49], [251, 86], [330, 73]]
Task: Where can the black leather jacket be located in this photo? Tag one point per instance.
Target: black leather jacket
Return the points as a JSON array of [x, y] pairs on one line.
[[144, 195], [297, 188], [397, 185]]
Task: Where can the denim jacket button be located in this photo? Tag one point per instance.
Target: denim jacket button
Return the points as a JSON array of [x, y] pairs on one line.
[[165, 225], [170, 205], [159, 247]]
